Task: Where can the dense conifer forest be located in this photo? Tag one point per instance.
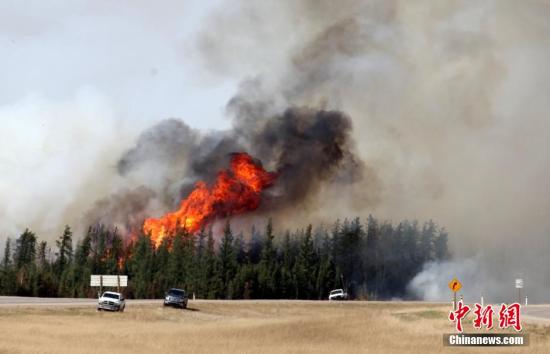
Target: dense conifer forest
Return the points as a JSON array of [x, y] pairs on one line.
[[374, 260]]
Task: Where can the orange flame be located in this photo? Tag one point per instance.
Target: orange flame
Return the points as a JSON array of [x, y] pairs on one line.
[[235, 191]]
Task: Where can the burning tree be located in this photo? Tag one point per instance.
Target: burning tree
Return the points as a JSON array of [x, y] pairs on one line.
[[305, 264], [235, 191]]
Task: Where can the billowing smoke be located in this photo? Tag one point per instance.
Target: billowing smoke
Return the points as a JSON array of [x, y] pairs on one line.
[[51, 157], [448, 101], [309, 150]]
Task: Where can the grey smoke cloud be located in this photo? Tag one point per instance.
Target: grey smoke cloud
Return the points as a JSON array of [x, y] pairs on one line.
[[309, 150], [80, 82], [448, 102]]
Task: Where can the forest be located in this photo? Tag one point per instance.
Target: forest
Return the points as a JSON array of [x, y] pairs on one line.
[[371, 260]]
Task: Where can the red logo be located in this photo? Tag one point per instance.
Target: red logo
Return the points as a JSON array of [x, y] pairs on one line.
[[484, 316], [508, 316], [459, 314]]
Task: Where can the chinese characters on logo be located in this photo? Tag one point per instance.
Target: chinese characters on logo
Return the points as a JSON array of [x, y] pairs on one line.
[[508, 316]]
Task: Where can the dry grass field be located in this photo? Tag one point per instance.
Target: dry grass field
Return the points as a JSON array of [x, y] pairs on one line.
[[241, 327]]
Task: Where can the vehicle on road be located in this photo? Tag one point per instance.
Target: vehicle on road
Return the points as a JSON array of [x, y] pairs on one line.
[[176, 297], [338, 294], [111, 301]]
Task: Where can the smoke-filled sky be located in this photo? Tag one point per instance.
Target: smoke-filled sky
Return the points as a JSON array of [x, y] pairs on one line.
[[80, 81], [448, 100]]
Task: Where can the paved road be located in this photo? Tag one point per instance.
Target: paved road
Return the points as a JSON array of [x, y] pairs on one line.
[[531, 313], [43, 301], [536, 313], [40, 301]]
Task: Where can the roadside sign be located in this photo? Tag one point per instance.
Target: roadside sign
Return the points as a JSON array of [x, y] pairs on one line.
[[519, 283], [109, 280], [455, 285]]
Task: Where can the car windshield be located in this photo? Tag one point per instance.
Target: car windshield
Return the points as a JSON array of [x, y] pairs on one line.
[[110, 295], [176, 292], [336, 291]]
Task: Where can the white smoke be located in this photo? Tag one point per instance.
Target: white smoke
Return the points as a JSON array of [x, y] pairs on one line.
[[55, 160], [431, 283]]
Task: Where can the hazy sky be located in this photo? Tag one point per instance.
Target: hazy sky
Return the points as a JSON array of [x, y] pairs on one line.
[[80, 80], [137, 56]]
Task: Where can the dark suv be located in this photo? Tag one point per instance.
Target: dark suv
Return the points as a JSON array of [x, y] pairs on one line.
[[176, 297]]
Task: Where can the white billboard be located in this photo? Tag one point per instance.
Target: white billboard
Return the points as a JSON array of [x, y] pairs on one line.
[[109, 280]]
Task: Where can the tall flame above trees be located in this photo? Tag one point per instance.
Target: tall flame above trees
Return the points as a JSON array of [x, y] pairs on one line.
[[236, 190]]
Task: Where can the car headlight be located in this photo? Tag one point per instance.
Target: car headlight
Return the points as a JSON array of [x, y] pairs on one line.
[[168, 298]]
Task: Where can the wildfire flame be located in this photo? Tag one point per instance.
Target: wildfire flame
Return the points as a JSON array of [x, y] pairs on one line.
[[235, 191]]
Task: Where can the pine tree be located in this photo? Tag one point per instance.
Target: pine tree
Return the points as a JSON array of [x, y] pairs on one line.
[[25, 251], [67, 282], [411, 259], [46, 282], [83, 250], [427, 237], [267, 268], [24, 260], [440, 246], [244, 284], [288, 280], [8, 273], [65, 253], [98, 236], [200, 265], [6, 262], [255, 246], [213, 273], [41, 254], [141, 267], [82, 264], [372, 257], [163, 278], [305, 267], [326, 275], [115, 254], [228, 260]]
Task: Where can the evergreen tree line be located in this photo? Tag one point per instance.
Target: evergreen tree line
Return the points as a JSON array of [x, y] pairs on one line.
[[372, 260]]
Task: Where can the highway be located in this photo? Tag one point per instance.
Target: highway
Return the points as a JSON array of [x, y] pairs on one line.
[[537, 313], [47, 301], [531, 313]]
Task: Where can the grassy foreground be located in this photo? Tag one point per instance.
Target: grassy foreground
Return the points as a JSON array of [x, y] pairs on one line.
[[241, 327]]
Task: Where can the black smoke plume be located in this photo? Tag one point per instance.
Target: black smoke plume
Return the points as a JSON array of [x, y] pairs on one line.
[[309, 149]]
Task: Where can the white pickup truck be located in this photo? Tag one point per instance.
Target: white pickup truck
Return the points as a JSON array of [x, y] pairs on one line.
[[338, 294], [111, 301]]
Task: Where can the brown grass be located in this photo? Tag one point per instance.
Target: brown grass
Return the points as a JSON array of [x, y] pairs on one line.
[[241, 327]]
